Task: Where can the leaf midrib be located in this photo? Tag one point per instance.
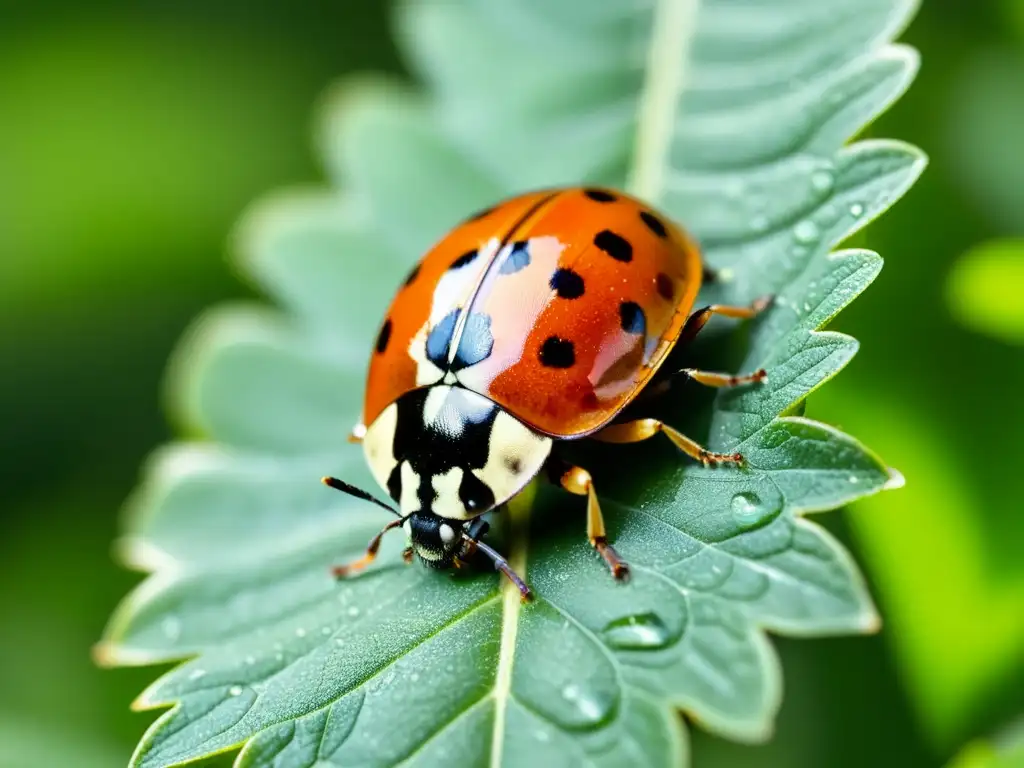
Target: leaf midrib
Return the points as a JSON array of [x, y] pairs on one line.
[[672, 27]]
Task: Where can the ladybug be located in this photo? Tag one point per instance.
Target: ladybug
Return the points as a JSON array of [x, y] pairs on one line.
[[533, 322]]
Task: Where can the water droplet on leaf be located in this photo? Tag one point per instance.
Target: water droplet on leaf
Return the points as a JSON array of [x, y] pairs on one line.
[[806, 232], [822, 181], [857, 210], [590, 706], [750, 509], [235, 690], [642, 631]]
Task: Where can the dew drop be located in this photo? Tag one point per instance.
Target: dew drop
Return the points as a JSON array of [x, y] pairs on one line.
[[279, 656], [806, 232], [250, 660], [325, 631], [589, 707], [196, 674], [822, 181], [171, 627], [338, 641], [300, 632], [853, 479], [749, 509], [759, 223], [640, 632], [857, 210], [235, 690], [353, 611], [414, 677], [542, 735]]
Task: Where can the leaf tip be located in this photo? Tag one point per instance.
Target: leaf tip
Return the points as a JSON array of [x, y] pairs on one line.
[[108, 654], [139, 554], [870, 623], [105, 654], [896, 480]]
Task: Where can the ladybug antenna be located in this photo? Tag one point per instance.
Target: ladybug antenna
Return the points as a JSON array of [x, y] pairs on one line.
[[359, 493]]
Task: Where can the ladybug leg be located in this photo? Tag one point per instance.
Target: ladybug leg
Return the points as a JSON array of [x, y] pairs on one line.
[[642, 429], [710, 379], [698, 319], [577, 480], [341, 571]]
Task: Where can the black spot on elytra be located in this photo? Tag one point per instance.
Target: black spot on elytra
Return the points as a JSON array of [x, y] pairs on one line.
[[464, 259], [653, 223], [556, 352], [599, 195], [567, 284], [514, 464], [632, 317], [413, 274], [614, 245], [666, 289], [384, 336], [518, 258]]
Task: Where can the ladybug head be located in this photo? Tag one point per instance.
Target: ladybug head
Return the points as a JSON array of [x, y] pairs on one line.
[[437, 540]]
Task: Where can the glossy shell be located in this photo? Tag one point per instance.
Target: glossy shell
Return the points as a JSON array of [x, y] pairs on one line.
[[559, 306]]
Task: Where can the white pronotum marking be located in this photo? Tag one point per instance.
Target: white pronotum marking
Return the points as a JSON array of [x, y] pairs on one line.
[[380, 436], [447, 502]]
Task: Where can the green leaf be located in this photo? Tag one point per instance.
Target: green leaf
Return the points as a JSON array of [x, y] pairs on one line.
[[733, 120]]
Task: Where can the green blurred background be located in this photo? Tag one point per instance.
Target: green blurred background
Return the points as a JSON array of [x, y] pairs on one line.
[[134, 133]]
